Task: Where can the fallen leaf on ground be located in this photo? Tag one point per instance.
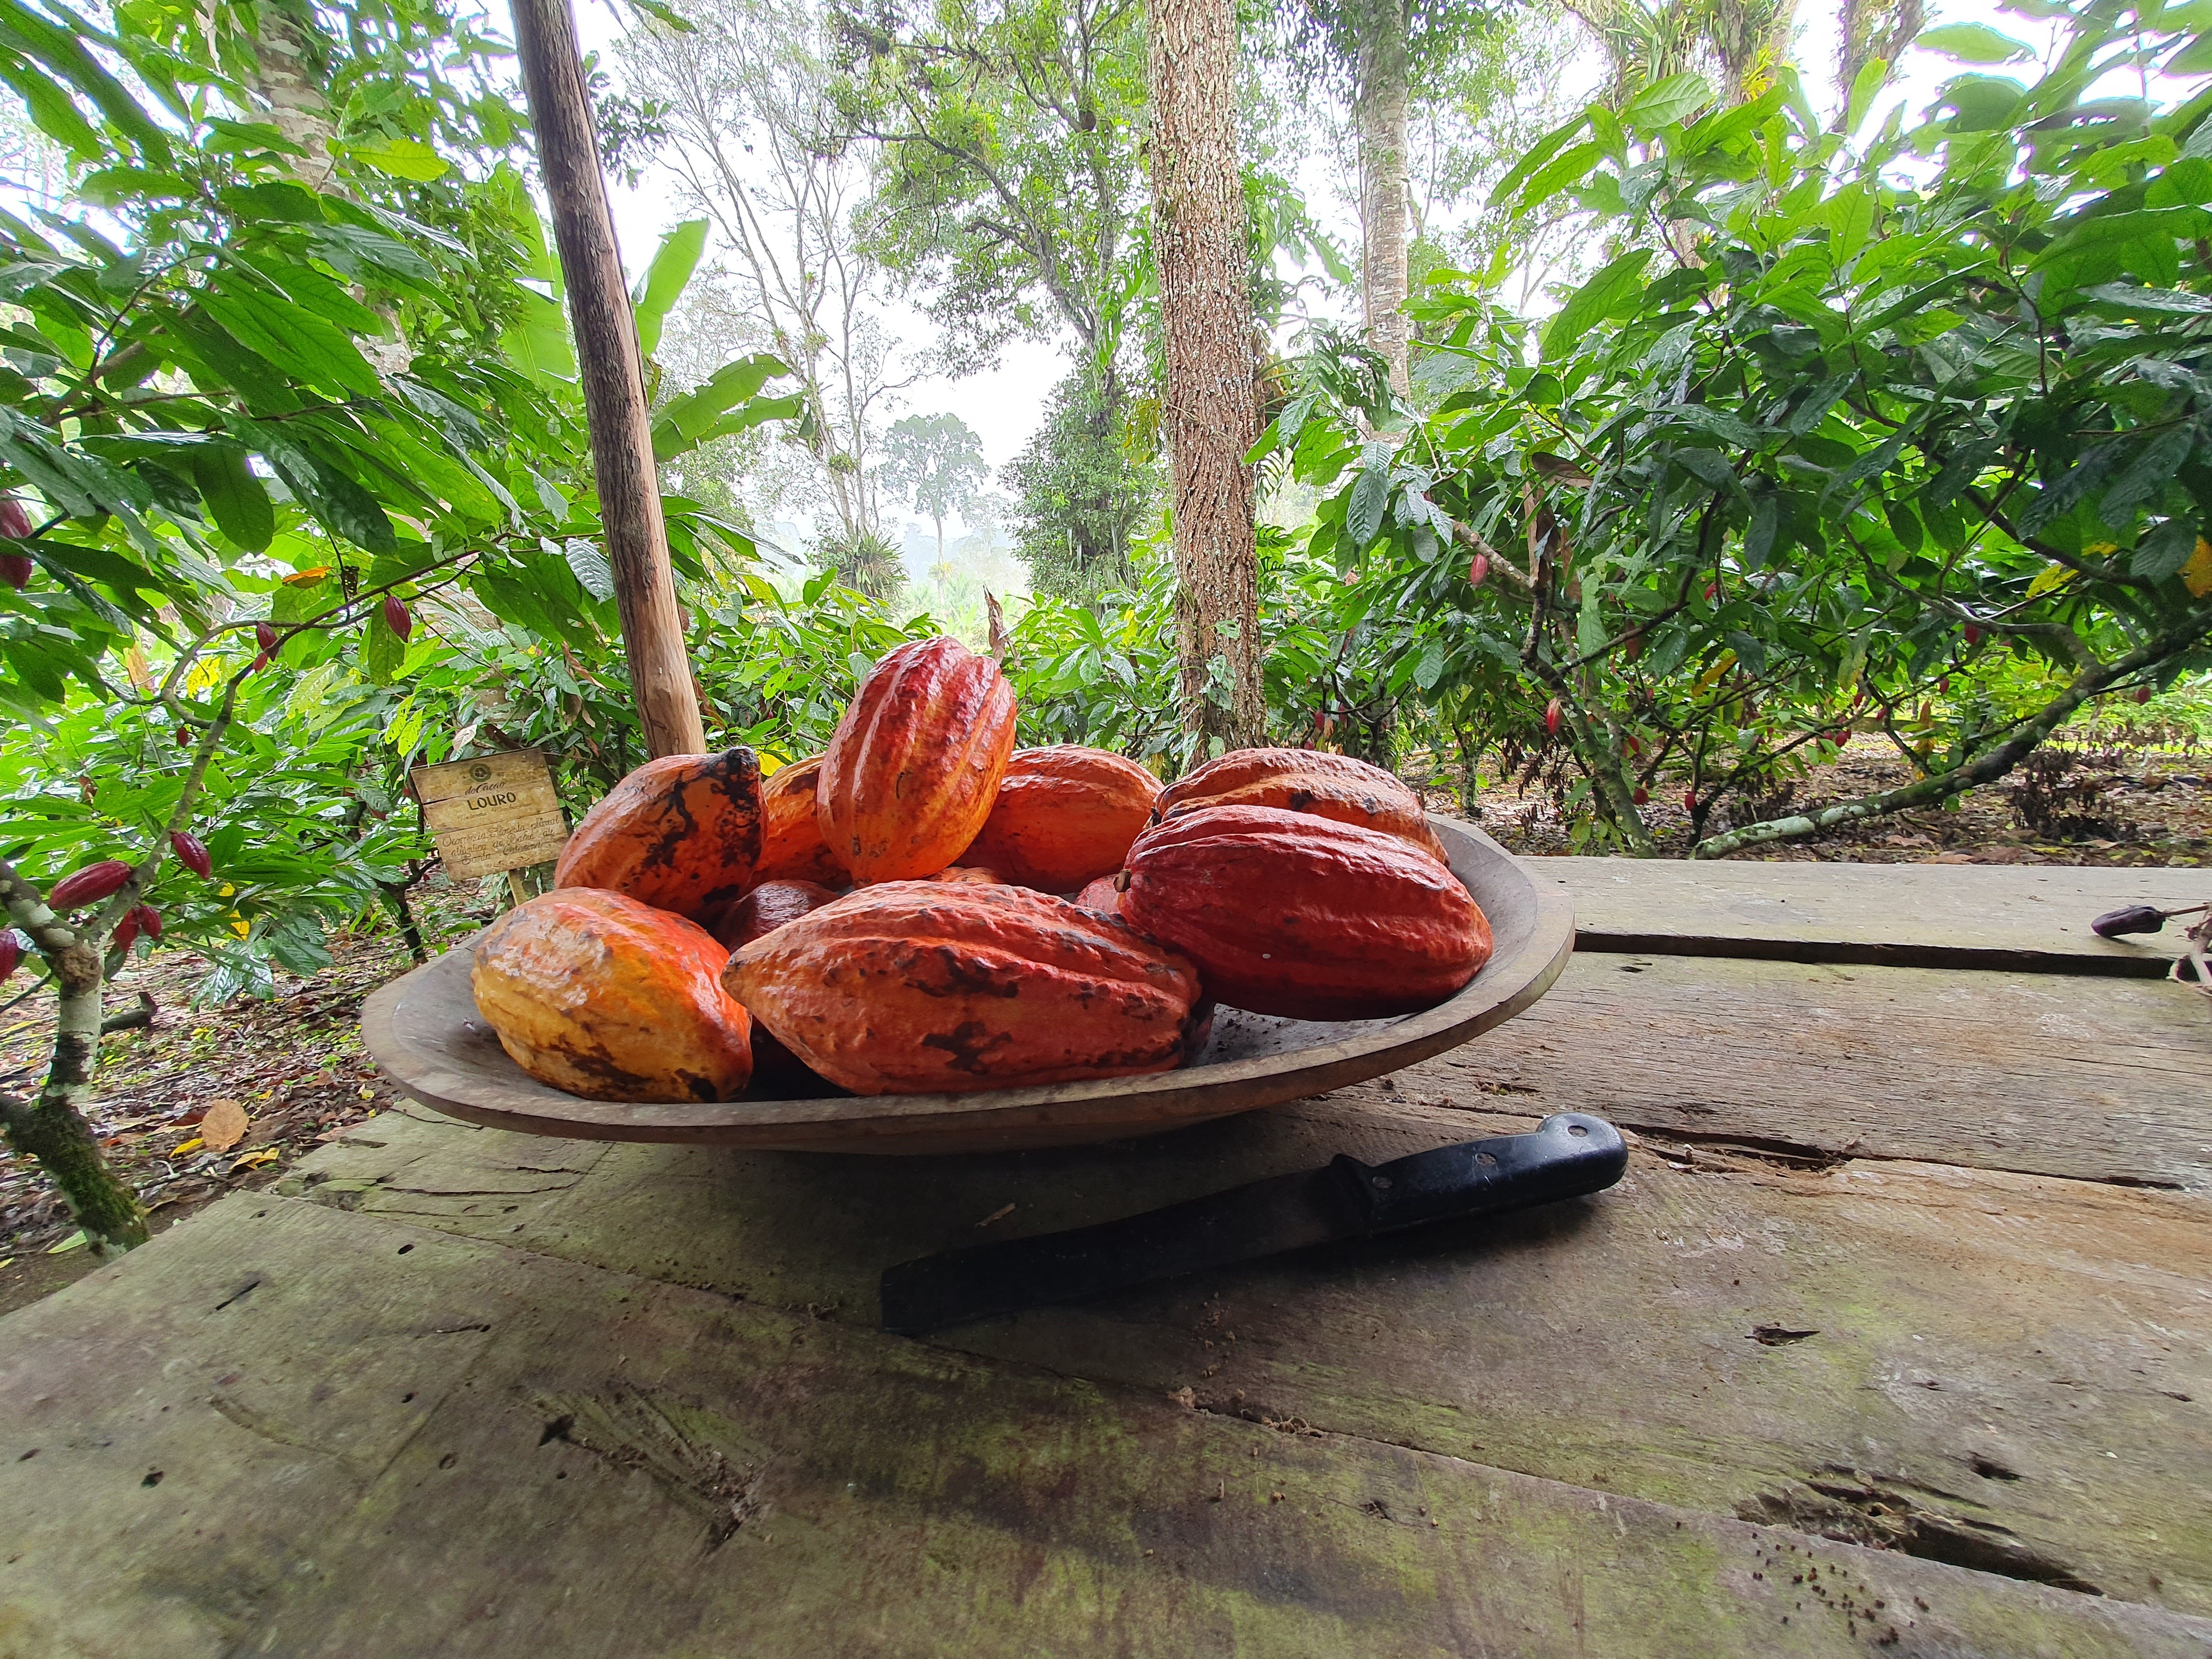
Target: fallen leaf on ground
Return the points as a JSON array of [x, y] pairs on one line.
[[224, 1126], [255, 1160], [68, 1243]]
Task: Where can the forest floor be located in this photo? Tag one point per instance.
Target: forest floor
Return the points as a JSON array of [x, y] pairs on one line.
[[296, 1066]]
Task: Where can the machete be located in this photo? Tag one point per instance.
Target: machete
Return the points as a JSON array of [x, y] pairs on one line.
[[1566, 1156]]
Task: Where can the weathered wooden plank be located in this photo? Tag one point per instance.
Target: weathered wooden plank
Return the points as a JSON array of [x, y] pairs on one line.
[[621, 1467], [2100, 1078], [2006, 1369], [2018, 917]]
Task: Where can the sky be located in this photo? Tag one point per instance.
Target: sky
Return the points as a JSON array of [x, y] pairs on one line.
[[1005, 405]]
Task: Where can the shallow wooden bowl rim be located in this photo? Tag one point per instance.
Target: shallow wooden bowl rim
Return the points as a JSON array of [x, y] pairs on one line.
[[425, 1033]]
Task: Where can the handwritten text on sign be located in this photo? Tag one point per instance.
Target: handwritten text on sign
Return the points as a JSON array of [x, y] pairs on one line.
[[493, 813]]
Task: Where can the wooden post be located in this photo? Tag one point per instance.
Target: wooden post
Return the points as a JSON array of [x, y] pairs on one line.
[[614, 378]]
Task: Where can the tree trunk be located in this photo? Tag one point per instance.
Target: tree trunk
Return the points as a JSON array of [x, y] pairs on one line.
[[613, 373], [289, 74], [1871, 29], [1385, 192], [1205, 310]]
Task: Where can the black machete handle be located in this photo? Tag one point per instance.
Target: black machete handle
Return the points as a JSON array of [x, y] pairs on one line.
[[1568, 1155]]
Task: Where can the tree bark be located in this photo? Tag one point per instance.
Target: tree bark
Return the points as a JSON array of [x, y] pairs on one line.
[[1379, 104], [1205, 308], [613, 372], [1871, 29], [289, 74]]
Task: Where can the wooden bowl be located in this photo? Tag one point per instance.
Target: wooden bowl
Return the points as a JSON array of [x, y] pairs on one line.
[[426, 1034]]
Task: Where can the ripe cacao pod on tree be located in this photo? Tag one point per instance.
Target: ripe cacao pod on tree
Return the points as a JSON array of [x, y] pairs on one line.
[[681, 833], [914, 768], [926, 988], [766, 909], [612, 999], [1328, 785], [791, 848], [1285, 912], [1064, 815], [89, 885]]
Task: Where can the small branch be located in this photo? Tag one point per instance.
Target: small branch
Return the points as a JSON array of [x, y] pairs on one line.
[[130, 1019]]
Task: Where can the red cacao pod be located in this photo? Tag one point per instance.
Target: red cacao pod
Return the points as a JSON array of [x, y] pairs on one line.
[[89, 885], [259, 663], [1478, 569], [766, 909], [1973, 635], [15, 523], [791, 848], [11, 954], [1334, 787], [150, 920], [190, 852], [265, 637], [1641, 795], [1689, 801], [914, 768], [2143, 694], [184, 737], [1102, 896], [681, 833], [126, 932], [1551, 718], [1711, 588], [396, 617], [1063, 816], [15, 570], [604, 997], [1288, 914], [925, 987]]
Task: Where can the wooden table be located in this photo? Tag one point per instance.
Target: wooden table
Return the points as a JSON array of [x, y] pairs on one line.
[[1896, 1338]]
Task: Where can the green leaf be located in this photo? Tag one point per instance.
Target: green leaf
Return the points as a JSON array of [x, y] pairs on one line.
[[236, 500], [712, 410], [537, 340], [668, 15], [1663, 103], [1850, 214], [1872, 78], [293, 337], [591, 567], [1983, 103], [382, 650], [2163, 552], [1594, 301], [1371, 494], [402, 158], [333, 495], [1974, 43], [1545, 148], [2154, 464], [1565, 170], [664, 280]]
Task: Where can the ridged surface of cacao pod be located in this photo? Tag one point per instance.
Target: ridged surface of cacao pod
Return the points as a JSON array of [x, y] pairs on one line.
[[969, 875], [791, 848], [89, 885], [1064, 815], [918, 987], [1306, 781], [612, 999], [1285, 912], [766, 909], [914, 768], [681, 833]]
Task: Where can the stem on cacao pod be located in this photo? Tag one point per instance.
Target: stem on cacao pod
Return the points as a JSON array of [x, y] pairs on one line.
[[51, 1127]]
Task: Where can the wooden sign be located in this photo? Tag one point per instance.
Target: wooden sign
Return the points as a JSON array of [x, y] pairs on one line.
[[493, 813]]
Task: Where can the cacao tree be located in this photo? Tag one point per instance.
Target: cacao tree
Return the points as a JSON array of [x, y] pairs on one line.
[[1904, 432]]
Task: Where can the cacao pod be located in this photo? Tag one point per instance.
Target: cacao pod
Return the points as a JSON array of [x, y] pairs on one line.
[[2129, 919], [396, 617], [1306, 781], [15, 570], [126, 932], [265, 637], [150, 920], [1551, 718], [681, 833], [2143, 694], [1478, 569], [608, 997], [1064, 815], [192, 853], [89, 885], [766, 909], [1285, 912], [913, 770], [15, 523], [11, 954], [1102, 896], [1641, 795], [791, 848], [964, 875], [923, 988]]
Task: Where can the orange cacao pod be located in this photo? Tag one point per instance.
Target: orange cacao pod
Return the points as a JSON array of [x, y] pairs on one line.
[[766, 909], [914, 768], [681, 833], [967, 875], [1285, 912], [1306, 781], [925, 987], [1102, 895], [1064, 815], [612, 999], [791, 848]]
